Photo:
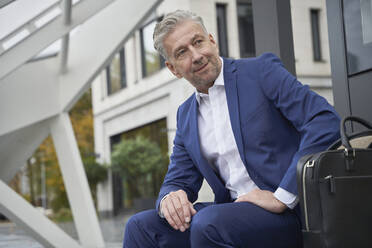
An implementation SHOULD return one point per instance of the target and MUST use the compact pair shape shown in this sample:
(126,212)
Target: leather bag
(335,191)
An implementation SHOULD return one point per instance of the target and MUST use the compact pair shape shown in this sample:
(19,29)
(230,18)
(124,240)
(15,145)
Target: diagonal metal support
(41,38)
(3,3)
(16,147)
(29,95)
(25,215)
(76,182)
(67,5)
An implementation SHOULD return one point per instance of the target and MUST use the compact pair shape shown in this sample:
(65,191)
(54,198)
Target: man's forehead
(187,39)
(183,33)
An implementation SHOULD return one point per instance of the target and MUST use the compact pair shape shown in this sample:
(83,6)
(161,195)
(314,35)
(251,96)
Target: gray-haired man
(243,131)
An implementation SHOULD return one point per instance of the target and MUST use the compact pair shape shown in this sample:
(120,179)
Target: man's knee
(139,229)
(142,220)
(205,226)
(214,225)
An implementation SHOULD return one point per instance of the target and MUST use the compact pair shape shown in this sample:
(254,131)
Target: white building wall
(207,9)
(316,74)
(145,100)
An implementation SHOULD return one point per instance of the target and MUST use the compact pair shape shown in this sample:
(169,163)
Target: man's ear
(172,69)
(211,39)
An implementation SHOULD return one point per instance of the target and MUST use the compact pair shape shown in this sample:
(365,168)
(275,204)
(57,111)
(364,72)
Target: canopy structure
(50,52)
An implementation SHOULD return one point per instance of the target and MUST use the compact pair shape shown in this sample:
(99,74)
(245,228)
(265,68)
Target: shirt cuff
(289,199)
(160,213)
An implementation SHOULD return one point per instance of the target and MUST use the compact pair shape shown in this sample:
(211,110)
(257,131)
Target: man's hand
(264,199)
(177,210)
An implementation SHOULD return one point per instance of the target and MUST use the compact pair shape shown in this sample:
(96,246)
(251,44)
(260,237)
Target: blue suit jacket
(275,120)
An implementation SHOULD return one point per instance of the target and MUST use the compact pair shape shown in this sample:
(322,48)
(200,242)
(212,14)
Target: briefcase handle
(344,136)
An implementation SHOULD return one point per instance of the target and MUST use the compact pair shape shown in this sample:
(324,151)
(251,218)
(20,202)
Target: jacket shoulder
(184,108)
(263,59)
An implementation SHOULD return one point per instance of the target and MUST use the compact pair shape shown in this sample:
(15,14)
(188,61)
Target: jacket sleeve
(312,116)
(182,173)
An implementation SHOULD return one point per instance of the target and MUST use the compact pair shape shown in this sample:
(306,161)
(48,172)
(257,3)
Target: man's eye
(198,42)
(180,53)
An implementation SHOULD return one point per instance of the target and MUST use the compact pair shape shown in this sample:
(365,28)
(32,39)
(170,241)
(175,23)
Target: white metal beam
(65,40)
(76,182)
(29,95)
(41,38)
(91,50)
(3,3)
(18,146)
(32,221)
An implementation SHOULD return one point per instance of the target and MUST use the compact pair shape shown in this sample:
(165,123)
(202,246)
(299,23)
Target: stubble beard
(204,83)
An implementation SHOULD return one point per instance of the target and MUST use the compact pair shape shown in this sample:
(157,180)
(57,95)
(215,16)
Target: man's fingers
(185,207)
(178,216)
(175,221)
(192,209)
(173,213)
(169,218)
(177,210)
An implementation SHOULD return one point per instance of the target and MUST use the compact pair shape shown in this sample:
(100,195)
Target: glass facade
(116,73)
(222,30)
(358,26)
(245,27)
(315,32)
(151,60)
(124,193)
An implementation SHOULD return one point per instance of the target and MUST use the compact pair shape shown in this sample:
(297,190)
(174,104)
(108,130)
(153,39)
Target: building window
(124,191)
(246,31)
(222,30)
(317,52)
(116,74)
(151,60)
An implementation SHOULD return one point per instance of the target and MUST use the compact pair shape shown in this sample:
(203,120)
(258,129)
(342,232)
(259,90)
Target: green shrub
(141,164)
(63,215)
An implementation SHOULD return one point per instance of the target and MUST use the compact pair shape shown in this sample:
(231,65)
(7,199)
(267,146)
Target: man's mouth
(201,68)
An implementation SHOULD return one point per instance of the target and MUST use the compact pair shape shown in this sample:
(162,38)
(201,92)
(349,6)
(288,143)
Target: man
(244,130)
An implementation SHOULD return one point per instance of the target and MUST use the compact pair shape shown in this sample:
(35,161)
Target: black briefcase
(335,190)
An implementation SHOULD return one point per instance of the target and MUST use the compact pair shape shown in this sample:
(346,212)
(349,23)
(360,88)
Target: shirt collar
(219,81)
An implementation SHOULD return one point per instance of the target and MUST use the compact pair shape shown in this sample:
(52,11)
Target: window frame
(242,52)
(123,73)
(315,34)
(143,53)
(222,34)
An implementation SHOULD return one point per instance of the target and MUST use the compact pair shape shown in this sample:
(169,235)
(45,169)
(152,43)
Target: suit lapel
(230,78)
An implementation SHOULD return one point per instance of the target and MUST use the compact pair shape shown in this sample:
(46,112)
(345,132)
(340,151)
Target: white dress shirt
(218,144)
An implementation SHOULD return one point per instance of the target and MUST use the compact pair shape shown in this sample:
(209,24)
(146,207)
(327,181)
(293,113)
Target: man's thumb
(193,211)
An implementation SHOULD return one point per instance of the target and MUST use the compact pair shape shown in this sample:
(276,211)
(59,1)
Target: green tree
(139,162)
(96,173)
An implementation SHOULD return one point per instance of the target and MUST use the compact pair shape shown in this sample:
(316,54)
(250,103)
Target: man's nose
(196,56)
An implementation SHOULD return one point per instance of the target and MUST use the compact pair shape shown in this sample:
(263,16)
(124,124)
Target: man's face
(193,55)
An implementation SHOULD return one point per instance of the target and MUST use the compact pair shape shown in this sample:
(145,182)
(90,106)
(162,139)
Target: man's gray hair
(168,24)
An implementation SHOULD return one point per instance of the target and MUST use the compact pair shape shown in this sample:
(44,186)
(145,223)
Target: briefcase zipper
(332,180)
(309,164)
(332,183)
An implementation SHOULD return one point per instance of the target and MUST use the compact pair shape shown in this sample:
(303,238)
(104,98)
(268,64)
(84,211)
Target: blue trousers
(217,225)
